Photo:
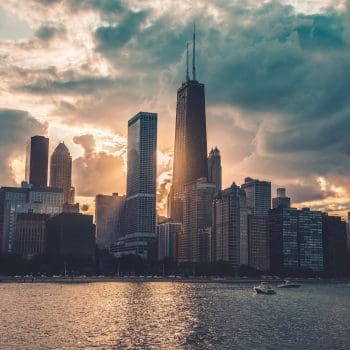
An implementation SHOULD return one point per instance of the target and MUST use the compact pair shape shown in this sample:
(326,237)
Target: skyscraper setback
(37,161)
(190,153)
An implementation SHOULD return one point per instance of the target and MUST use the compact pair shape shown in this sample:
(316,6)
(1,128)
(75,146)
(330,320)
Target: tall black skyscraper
(214,168)
(190,154)
(37,161)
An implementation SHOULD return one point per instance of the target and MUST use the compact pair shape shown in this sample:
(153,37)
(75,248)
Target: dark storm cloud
(116,36)
(75,85)
(47,33)
(17,127)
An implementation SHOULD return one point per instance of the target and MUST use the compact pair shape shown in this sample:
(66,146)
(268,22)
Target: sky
(276,73)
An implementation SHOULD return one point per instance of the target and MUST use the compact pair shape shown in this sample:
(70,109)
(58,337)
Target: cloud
(97,172)
(277,77)
(17,127)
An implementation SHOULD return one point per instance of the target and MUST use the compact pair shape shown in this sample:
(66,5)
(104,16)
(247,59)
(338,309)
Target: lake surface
(171,315)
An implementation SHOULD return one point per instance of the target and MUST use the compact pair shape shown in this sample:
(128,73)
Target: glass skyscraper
(139,226)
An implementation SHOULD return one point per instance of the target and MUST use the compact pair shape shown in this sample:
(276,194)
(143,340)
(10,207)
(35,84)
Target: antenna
(187,74)
(194,52)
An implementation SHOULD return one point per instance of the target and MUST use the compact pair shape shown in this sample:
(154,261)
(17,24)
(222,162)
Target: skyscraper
(140,206)
(283,225)
(230,226)
(61,172)
(195,240)
(214,168)
(258,196)
(37,161)
(310,240)
(190,153)
(281,200)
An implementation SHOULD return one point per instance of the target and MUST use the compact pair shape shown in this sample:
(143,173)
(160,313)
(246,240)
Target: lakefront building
(195,240)
(139,228)
(230,226)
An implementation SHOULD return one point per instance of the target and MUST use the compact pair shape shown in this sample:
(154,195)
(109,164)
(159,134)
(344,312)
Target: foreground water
(157,315)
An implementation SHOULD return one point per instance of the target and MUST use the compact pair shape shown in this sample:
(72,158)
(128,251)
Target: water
(157,315)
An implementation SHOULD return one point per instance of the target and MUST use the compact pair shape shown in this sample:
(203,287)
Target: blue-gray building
(139,227)
(310,240)
(283,225)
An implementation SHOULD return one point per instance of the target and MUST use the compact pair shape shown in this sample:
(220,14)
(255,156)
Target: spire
(194,52)
(187,74)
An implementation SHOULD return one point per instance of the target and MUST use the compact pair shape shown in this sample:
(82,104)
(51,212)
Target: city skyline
(78,91)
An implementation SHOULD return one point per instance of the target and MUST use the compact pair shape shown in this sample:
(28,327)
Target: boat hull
(262,291)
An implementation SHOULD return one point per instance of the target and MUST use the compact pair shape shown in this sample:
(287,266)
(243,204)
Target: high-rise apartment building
(258,196)
(283,226)
(139,229)
(197,219)
(108,211)
(230,226)
(310,240)
(214,168)
(258,243)
(296,241)
(281,200)
(37,161)
(61,172)
(190,152)
(334,245)
(167,236)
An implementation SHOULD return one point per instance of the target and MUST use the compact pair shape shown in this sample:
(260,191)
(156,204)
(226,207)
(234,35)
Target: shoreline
(79,280)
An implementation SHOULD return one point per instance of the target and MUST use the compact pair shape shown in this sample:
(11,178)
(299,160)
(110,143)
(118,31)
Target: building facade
(230,226)
(139,230)
(30,234)
(71,235)
(258,196)
(310,240)
(334,245)
(13,200)
(283,227)
(258,243)
(108,211)
(167,240)
(37,161)
(61,172)
(197,221)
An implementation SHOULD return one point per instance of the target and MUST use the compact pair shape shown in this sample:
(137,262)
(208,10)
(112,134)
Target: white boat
(289,284)
(264,288)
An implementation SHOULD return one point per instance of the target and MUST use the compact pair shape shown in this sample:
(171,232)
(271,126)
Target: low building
(30,234)
(71,234)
